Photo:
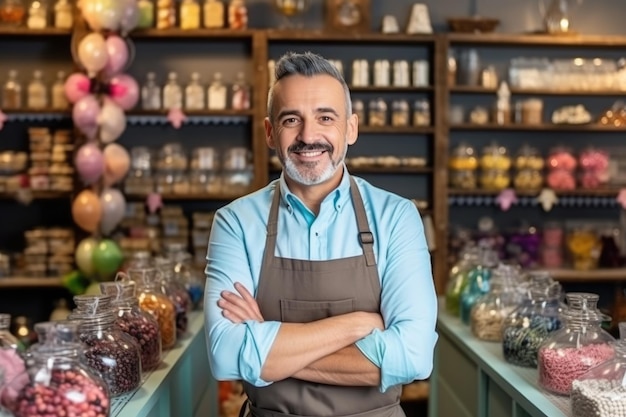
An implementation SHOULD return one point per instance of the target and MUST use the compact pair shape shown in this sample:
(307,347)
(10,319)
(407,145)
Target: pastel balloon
(117,53)
(107,259)
(92,53)
(85,115)
(130,16)
(76,86)
(116,163)
(113,209)
(103,14)
(89,162)
(87,211)
(124,91)
(84,256)
(112,121)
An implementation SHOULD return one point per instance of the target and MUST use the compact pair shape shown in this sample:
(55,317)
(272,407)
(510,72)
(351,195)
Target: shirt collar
(339,197)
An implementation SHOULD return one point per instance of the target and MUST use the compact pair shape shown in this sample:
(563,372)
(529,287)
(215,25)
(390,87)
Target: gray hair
(307,64)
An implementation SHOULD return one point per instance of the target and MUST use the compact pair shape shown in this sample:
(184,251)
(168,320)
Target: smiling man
(319,286)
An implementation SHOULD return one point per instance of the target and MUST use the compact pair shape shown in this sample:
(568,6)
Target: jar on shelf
(176,292)
(377,112)
(37,14)
(57,380)
(134,321)
(140,179)
(594,168)
(237,171)
(532,111)
(204,172)
(528,169)
(463,166)
(146,14)
(490,311)
(458,279)
(152,300)
(477,282)
(584,246)
(12,12)
(495,164)
(109,351)
(358,108)
(561,165)
(530,324)
(400,114)
(421,113)
(577,347)
(63,14)
(171,175)
(601,391)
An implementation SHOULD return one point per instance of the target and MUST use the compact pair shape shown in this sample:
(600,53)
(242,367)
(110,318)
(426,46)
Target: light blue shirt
(403,351)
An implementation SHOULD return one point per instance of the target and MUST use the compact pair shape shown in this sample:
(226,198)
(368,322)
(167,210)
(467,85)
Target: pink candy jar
(561,169)
(594,168)
(56,382)
(577,347)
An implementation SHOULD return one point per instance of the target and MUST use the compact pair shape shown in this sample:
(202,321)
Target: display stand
(181,386)
(472,378)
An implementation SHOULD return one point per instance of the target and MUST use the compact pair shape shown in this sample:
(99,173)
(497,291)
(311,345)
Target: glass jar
(358,108)
(577,347)
(490,311)
(458,279)
(12,12)
(11,361)
(421,113)
(108,350)
(477,282)
(204,171)
(176,292)
(37,14)
(134,321)
(152,300)
(7,340)
(377,112)
(601,391)
(529,165)
(192,278)
(400,114)
(561,165)
(146,14)
(495,164)
(463,165)
(528,326)
(584,246)
(68,388)
(236,170)
(140,180)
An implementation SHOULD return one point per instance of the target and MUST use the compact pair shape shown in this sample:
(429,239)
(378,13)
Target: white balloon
(113,209)
(111,120)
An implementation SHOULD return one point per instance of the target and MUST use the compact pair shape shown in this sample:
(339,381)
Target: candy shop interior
(125,124)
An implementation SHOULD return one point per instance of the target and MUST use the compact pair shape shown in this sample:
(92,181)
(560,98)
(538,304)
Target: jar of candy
(495,164)
(140,179)
(152,300)
(7,340)
(601,391)
(68,388)
(400,113)
(377,112)
(11,362)
(529,169)
(109,351)
(488,314)
(458,279)
(579,346)
(561,166)
(594,168)
(477,282)
(463,164)
(584,247)
(185,272)
(12,12)
(134,321)
(528,326)
(176,292)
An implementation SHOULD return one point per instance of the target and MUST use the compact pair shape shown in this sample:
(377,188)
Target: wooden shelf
(573,275)
(28,282)
(193,33)
(425,130)
(600,192)
(541,128)
(23,31)
(535,40)
(331,37)
(389,170)
(391,89)
(193,113)
(187,197)
(465,89)
(39,195)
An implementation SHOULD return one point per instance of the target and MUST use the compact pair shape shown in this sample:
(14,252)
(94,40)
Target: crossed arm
(321,351)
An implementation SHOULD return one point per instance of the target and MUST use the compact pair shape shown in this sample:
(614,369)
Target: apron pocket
(294,311)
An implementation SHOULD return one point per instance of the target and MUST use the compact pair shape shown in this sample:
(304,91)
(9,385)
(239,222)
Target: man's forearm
(347,367)
(298,345)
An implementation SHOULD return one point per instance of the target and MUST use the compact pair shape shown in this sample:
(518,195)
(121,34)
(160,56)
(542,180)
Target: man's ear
(269,138)
(352,131)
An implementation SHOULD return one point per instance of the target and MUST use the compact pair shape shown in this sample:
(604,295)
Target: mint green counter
(181,387)
(471,379)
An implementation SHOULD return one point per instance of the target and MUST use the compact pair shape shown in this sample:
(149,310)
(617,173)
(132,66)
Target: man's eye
(290,121)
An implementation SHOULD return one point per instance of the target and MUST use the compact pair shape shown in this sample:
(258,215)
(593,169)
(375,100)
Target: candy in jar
(237,14)
(594,167)
(583,244)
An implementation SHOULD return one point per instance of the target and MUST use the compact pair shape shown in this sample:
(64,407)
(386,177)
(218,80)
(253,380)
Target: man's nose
(308,132)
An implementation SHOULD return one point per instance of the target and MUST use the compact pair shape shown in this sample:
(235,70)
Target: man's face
(311,130)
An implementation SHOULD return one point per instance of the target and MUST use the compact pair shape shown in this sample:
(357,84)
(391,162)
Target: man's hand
(239,307)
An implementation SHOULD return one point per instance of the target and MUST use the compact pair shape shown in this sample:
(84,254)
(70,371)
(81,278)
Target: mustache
(310,147)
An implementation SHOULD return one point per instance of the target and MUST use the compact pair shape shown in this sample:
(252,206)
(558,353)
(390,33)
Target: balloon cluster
(100,94)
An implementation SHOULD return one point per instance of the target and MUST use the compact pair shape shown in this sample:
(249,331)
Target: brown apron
(301,291)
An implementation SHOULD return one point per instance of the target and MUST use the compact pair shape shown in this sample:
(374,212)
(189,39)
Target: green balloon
(107,259)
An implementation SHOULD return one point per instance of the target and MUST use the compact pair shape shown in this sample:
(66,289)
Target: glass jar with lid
(236,170)
(12,12)
(463,166)
(154,301)
(134,321)
(11,361)
(171,175)
(421,113)
(140,178)
(477,282)
(490,311)
(358,108)
(109,351)
(495,164)
(205,171)
(185,272)
(458,279)
(400,113)
(528,326)
(528,164)
(377,112)
(68,388)
(577,347)
(37,14)
(176,292)
(601,391)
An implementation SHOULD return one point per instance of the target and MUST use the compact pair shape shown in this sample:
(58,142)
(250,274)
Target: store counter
(182,386)
(471,379)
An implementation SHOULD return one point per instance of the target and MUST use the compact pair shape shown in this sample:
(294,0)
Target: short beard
(305,177)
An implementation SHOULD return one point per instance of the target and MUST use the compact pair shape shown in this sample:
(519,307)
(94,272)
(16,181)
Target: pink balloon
(130,17)
(76,87)
(85,115)
(89,163)
(116,163)
(124,91)
(112,121)
(117,51)
(92,53)
(113,209)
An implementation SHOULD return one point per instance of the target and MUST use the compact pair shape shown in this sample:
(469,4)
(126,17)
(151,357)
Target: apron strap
(272,227)
(365,234)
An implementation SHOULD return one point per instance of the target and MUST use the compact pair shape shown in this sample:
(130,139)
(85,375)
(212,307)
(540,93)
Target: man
(319,288)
